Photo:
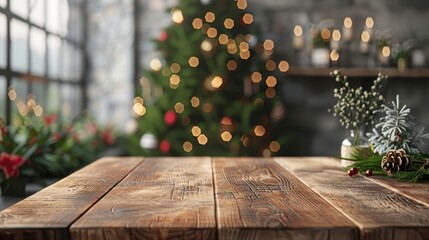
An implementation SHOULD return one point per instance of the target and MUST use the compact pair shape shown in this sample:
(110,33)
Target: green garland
(419,169)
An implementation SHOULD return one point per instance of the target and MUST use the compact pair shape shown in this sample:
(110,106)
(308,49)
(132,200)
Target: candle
(369,24)
(364,44)
(347,29)
(384,55)
(335,41)
(298,40)
(334,56)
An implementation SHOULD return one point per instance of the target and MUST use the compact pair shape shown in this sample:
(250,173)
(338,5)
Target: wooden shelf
(358,72)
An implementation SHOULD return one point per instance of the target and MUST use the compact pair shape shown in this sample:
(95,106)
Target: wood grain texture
(258,199)
(48,213)
(380,212)
(164,198)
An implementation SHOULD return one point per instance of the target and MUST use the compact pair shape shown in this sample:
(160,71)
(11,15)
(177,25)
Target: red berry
(368,173)
(350,173)
(355,170)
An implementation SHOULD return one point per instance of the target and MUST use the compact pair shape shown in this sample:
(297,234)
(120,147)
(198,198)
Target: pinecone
(395,161)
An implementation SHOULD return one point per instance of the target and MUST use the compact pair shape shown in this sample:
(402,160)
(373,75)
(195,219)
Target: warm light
(187,146)
(177,16)
(196,131)
(241,4)
(266,153)
(212,32)
(226,136)
(231,47)
(138,100)
(210,17)
(206,46)
(248,18)
(175,68)
(268,45)
(223,38)
(297,30)
(244,46)
(283,66)
(348,22)
(245,55)
(197,23)
(193,61)
(231,65)
(365,36)
(334,55)
(259,130)
(174,79)
(256,77)
(202,139)
(38,110)
(271,81)
(226,121)
(336,35)
(179,107)
(258,102)
(139,109)
(155,64)
(270,92)
(228,23)
(12,94)
(245,140)
(31,103)
(195,102)
(369,22)
(326,34)
(274,146)
(385,51)
(270,65)
(217,82)
(207,107)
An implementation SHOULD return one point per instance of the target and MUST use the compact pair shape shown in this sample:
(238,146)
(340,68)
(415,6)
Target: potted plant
(320,52)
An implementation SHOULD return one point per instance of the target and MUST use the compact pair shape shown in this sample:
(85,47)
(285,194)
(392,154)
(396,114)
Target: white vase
(348,150)
(320,57)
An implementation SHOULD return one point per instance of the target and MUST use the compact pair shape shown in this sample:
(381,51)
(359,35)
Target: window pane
(21,88)
(2,41)
(19,7)
(38,51)
(67,58)
(54,45)
(39,91)
(64,17)
(71,100)
(53,105)
(3,89)
(37,12)
(19,36)
(52,23)
(75,22)
(2,3)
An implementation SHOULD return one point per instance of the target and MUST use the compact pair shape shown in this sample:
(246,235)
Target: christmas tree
(216,93)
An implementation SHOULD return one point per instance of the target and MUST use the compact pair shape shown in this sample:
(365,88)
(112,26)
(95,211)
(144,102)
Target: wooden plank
(164,198)
(380,212)
(258,199)
(48,213)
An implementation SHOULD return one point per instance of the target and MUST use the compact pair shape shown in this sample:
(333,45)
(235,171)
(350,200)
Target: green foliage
(396,130)
(244,110)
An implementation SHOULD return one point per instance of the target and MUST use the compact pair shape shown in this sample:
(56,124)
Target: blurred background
(73,55)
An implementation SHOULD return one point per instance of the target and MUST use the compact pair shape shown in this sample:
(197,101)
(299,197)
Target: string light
(217,82)
(138,100)
(197,23)
(174,79)
(271,81)
(270,65)
(187,146)
(193,61)
(259,102)
(242,4)
(336,35)
(202,139)
(245,140)
(212,32)
(228,23)
(268,45)
(195,102)
(231,46)
(245,55)
(283,66)
(223,38)
(326,34)
(179,107)
(365,36)
(248,18)
(175,68)
(334,55)
(155,64)
(385,51)
(38,110)
(206,45)
(231,65)
(369,22)
(12,94)
(259,131)
(177,16)
(210,17)
(274,146)
(297,31)
(244,46)
(196,131)
(207,107)
(270,92)
(348,23)
(139,109)
(226,136)
(256,77)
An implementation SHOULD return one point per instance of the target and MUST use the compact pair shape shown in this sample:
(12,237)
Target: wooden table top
(220,198)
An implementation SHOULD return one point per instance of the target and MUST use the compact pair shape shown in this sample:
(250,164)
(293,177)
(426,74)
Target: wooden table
(220,198)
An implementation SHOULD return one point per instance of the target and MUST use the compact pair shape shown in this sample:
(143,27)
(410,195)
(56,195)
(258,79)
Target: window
(46,47)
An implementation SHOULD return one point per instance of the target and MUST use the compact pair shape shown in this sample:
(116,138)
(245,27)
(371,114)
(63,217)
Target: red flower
(108,138)
(49,120)
(33,140)
(163,36)
(164,146)
(10,164)
(170,117)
